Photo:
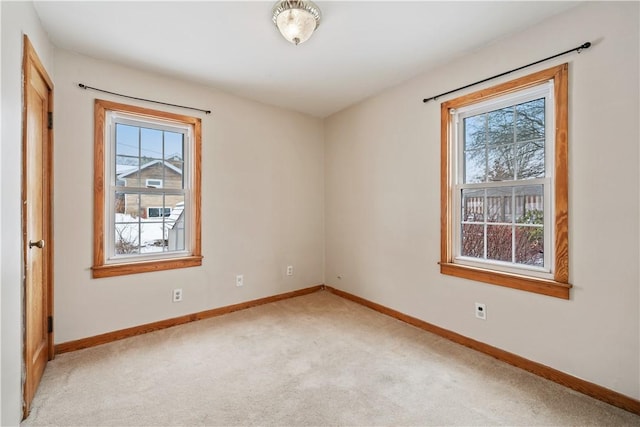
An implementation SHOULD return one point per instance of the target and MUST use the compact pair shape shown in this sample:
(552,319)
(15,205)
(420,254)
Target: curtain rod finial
(587,45)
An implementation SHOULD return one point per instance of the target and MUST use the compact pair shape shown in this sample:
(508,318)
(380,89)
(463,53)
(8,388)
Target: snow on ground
(153,231)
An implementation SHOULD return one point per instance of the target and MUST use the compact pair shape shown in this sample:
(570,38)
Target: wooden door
(36,218)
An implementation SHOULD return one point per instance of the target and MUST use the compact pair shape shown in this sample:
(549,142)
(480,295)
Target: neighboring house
(153,174)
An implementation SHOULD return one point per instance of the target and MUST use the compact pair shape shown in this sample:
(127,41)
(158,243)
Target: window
(154,183)
(147,190)
(158,212)
(504,184)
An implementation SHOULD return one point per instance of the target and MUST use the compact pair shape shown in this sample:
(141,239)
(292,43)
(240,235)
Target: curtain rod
(83,86)
(578,49)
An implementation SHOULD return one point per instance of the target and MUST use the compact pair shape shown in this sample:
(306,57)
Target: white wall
(262,203)
(382,203)
(18,18)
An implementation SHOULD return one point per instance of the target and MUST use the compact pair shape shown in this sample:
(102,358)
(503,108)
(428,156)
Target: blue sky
(134,140)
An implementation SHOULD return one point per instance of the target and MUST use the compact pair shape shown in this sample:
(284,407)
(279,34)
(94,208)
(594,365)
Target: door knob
(38,244)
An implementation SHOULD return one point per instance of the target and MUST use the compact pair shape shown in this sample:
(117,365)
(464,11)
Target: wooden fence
(500,208)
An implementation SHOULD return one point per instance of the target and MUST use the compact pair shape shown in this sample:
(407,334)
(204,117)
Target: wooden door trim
(31,59)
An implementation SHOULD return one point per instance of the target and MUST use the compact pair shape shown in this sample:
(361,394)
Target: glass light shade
(296,25)
(296,19)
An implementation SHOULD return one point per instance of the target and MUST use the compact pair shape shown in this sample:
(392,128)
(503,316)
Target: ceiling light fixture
(296,19)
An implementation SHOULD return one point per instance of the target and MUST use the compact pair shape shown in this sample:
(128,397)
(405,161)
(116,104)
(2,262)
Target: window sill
(530,284)
(99,271)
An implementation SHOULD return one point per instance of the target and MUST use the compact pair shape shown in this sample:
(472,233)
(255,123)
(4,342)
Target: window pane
(499,242)
(120,204)
(530,122)
(174,202)
(173,176)
(129,178)
(529,201)
(126,173)
(127,238)
(473,205)
(174,153)
(175,224)
(530,246)
(178,180)
(500,162)
(499,204)
(151,144)
(129,204)
(475,132)
(127,155)
(475,165)
(530,159)
(472,240)
(530,132)
(173,146)
(475,161)
(127,140)
(500,125)
(152,235)
(127,227)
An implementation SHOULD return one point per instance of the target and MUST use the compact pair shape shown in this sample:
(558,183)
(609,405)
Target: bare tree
(126,239)
(506,144)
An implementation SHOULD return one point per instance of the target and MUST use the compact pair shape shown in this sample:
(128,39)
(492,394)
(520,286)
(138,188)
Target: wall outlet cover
(481,311)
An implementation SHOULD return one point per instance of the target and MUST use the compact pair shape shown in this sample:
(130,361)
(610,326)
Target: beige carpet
(312,360)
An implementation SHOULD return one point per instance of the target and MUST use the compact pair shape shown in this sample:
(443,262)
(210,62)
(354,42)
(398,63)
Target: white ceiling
(360,48)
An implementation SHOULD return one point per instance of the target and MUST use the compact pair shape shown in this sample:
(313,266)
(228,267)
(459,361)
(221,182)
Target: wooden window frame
(559,285)
(100,267)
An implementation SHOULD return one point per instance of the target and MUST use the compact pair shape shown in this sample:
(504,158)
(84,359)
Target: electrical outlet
(290,270)
(177,295)
(239,280)
(481,311)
